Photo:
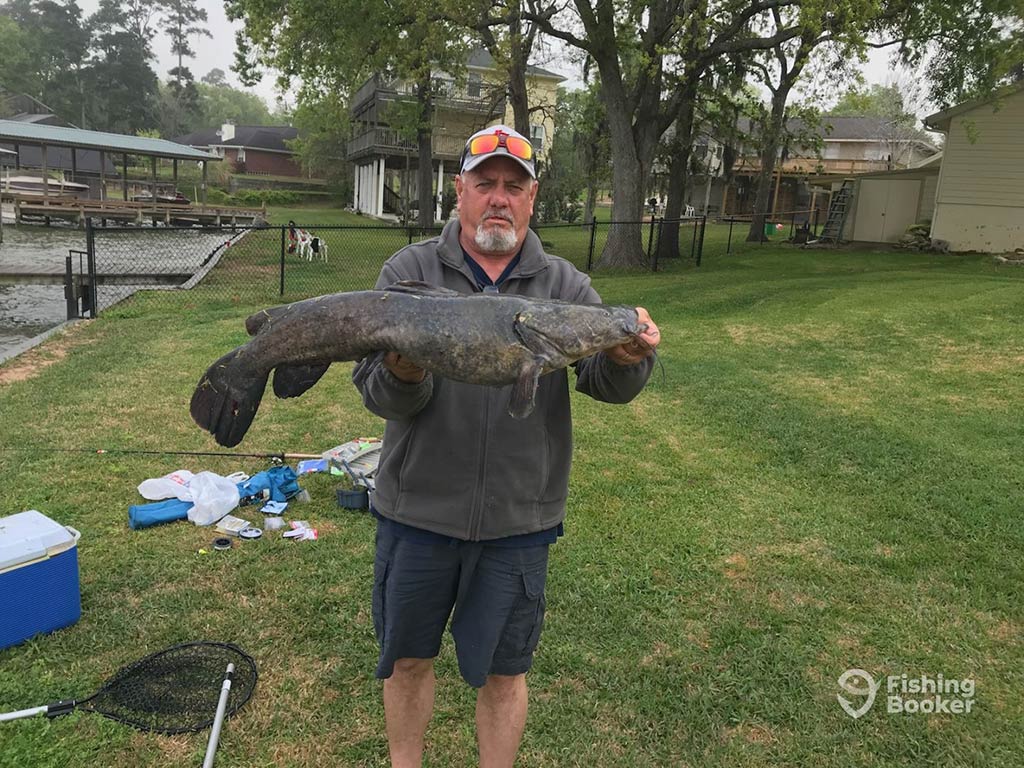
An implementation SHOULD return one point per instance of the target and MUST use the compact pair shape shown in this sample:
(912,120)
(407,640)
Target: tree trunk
(773,138)
(624,247)
(519,53)
(424,141)
(679,177)
(591,204)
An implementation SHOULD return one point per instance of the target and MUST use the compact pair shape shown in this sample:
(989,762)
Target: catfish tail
(227,398)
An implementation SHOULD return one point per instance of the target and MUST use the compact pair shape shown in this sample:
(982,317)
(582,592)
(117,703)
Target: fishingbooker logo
(924,694)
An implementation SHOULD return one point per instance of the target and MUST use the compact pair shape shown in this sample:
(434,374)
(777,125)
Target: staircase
(392,201)
(838,210)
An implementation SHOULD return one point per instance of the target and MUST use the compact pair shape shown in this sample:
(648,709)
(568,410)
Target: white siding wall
(980,199)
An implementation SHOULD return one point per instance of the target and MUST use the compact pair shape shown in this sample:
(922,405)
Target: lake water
(28,310)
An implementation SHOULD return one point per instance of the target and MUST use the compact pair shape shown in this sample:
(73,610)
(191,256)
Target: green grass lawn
(826,474)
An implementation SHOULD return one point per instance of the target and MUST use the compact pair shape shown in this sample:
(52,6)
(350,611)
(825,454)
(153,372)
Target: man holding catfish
(469,497)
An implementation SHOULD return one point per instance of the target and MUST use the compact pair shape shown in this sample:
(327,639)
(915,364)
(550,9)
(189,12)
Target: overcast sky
(219,51)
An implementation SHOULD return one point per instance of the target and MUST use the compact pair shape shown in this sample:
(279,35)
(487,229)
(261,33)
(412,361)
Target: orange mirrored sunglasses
(483,145)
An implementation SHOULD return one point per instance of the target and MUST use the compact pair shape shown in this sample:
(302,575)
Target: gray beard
(495,240)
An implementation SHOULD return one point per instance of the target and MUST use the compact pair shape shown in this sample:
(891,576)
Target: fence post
(282,261)
(650,239)
(728,247)
(410,234)
(792,224)
(693,240)
(70,300)
(593,235)
(90,251)
(815,223)
(655,248)
(700,243)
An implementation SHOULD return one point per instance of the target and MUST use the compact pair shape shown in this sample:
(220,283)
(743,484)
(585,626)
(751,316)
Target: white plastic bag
(214,497)
(175,485)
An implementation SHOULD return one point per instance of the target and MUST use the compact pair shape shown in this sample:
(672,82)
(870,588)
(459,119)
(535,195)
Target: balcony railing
(476,98)
(814,166)
(377,141)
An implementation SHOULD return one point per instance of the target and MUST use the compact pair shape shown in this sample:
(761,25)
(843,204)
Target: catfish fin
(524,391)
(258,321)
(226,399)
(419,288)
(293,380)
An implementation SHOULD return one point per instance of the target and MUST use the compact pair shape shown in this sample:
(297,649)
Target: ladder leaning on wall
(838,210)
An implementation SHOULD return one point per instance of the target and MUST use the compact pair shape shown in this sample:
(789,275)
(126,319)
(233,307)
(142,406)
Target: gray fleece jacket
(454,461)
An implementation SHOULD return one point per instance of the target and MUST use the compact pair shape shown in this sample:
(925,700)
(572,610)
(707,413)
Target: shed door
(901,208)
(885,208)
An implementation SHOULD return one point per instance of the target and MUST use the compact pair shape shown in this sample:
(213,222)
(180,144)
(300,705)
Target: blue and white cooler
(39,589)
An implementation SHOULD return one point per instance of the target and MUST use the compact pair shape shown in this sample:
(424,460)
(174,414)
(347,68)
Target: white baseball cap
(498,140)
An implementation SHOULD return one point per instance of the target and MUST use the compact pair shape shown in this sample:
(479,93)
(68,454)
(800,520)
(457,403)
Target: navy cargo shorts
(497,594)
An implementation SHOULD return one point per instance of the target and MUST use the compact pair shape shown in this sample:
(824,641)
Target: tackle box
(39,589)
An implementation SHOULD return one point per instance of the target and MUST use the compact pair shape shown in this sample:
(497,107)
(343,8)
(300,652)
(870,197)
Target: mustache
(497,213)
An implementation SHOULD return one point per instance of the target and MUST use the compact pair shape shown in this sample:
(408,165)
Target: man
(468,499)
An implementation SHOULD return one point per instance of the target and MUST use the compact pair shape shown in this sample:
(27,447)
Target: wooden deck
(78,209)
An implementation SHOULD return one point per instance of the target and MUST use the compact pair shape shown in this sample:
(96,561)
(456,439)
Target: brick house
(253,149)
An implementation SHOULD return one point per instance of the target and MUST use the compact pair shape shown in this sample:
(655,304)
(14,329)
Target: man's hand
(403,369)
(636,350)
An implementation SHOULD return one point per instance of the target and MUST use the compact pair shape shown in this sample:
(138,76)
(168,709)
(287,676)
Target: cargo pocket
(535,605)
(381,567)
(523,629)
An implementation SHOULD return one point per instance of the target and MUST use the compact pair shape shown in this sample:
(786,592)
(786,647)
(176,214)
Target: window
(537,137)
(241,155)
(473,88)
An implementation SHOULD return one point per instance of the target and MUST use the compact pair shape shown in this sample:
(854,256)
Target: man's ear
(533,195)
(459,186)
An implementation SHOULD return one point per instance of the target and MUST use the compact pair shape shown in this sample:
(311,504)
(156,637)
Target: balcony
(386,141)
(810,166)
(475,98)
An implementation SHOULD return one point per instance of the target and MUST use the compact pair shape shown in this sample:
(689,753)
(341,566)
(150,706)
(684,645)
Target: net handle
(218,720)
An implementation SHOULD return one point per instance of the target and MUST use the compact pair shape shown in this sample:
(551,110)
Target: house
(979,204)
(385,163)
(253,149)
(849,146)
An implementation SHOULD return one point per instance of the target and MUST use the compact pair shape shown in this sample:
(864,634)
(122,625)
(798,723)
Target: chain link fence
(251,267)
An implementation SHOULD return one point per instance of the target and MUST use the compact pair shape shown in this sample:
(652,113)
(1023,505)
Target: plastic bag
(214,496)
(172,486)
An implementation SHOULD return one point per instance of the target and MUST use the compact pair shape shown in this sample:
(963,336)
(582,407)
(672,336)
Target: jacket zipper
(480,501)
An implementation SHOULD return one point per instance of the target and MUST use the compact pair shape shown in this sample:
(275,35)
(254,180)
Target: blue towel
(169,510)
(281,482)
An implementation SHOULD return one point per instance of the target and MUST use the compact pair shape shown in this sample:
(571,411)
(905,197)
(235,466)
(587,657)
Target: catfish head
(562,333)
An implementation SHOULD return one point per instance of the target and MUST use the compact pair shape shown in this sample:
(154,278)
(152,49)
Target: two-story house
(849,146)
(385,163)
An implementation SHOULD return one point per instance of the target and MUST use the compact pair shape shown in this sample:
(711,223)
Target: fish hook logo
(859,683)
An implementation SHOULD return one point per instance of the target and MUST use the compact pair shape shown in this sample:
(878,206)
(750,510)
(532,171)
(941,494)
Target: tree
(220,103)
(334,45)
(963,49)
(215,77)
(18,72)
(651,57)
(123,84)
(182,20)
(48,60)
(580,121)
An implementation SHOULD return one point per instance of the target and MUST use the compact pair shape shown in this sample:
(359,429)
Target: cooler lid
(29,536)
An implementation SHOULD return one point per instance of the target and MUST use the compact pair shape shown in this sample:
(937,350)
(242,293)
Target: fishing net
(176,690)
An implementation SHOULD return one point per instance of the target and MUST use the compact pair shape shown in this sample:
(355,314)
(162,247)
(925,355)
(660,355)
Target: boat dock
(77,210)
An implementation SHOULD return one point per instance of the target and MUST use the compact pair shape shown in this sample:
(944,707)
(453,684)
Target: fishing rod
(140,452)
